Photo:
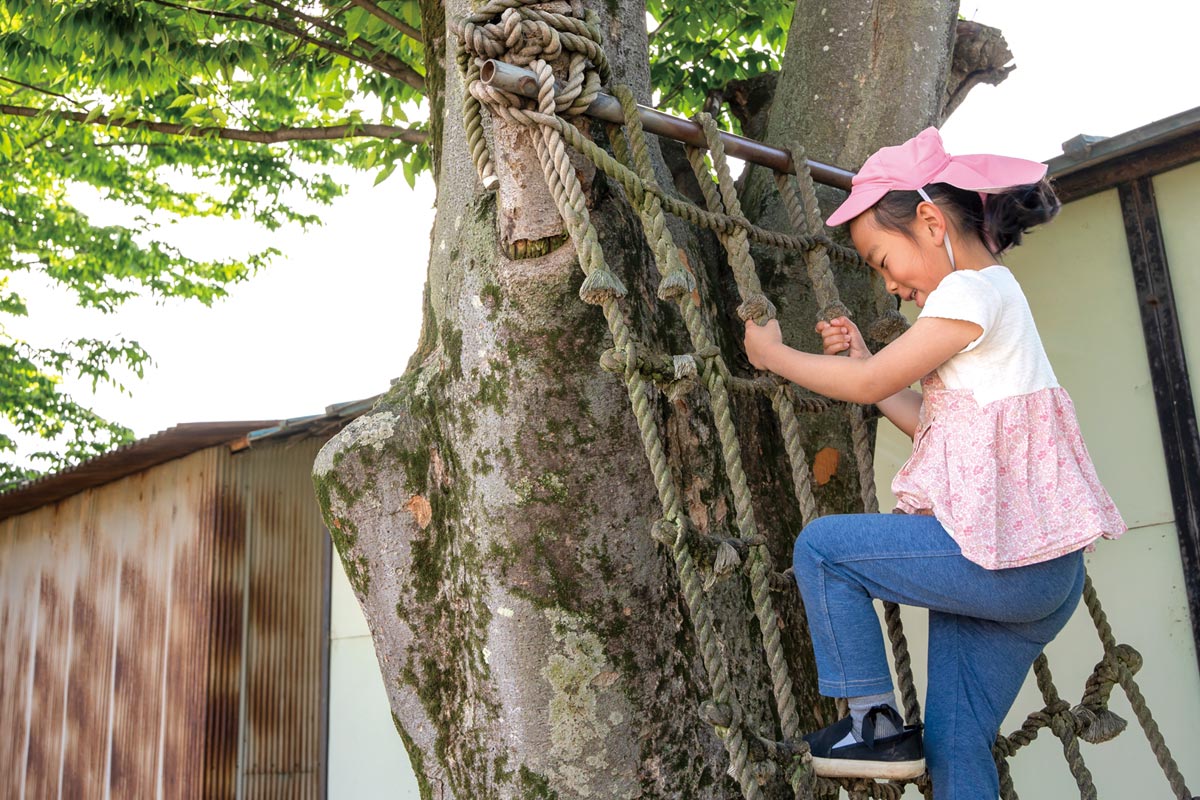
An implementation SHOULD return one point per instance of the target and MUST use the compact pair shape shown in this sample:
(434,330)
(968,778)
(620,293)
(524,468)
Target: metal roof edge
(339,413)
(1086,152)
(174,442)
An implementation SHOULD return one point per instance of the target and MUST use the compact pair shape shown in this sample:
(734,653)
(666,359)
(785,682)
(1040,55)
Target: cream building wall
(1076,274)
(367,759)
(1178,194)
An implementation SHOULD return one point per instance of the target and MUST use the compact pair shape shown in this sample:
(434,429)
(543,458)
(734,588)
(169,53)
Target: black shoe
(896,757)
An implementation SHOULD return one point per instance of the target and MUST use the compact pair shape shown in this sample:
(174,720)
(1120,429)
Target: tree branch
(323,24)
(658,28)
(325,133)
(384,62)
(395,22)
(40,90)
(980,56)
(390,60)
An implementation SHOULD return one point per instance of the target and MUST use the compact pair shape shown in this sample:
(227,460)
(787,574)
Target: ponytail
(1008,215)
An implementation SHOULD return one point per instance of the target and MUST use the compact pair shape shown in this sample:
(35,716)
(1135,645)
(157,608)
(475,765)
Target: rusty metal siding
(181,727)
(99,603)
(165,635)
(283,741)
(225,515)
(51,660)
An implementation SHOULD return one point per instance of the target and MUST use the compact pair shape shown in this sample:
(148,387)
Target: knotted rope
(534,35)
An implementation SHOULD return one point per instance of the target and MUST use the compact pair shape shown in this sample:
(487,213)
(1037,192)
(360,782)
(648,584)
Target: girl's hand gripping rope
(761,340)
(841,336)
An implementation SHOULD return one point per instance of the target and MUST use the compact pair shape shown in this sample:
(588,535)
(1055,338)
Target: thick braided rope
(831,306)
(755,303)
(789,426)
(717,222)
(568,195)
(473,121)
(1062,724)
(805,215)
(1007,790)
(1158,745)
(667,257)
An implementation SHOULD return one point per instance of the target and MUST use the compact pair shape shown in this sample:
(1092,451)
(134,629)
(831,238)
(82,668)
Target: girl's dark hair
(999,223)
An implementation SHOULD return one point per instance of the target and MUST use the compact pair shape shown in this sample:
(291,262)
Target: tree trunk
(494,511)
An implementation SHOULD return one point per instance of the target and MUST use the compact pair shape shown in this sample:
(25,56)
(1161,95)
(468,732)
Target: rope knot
(686,373)
(666,532)
(1097,725)
(1002,747)
(600,286)
(1129,657)
(685,367)
(834,310)
(675,284)
(1062,723)
(719,715)
(612,361)
(756,307)
(527,33)
(888,326)
(727,561)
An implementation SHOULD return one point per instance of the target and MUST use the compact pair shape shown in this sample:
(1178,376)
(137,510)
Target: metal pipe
(521,81)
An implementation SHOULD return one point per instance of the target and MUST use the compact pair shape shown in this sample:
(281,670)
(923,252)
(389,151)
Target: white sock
(859,706)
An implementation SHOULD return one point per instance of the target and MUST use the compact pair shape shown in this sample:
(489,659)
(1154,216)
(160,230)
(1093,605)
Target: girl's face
(911,268)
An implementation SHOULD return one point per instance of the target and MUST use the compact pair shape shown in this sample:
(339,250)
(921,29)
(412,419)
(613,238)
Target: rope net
(568,35)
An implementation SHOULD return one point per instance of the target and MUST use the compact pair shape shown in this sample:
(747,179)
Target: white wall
(1077,277)
(367,759)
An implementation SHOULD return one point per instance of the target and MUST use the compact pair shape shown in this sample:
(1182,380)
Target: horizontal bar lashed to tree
(521,81)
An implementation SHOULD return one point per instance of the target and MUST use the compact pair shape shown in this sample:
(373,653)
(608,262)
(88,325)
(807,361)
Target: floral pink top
(1011,482)
(997,456)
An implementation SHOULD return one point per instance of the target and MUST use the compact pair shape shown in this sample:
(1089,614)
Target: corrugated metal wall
(165,635)
(286,616)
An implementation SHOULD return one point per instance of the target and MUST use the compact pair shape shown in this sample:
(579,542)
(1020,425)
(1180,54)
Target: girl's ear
(930,221)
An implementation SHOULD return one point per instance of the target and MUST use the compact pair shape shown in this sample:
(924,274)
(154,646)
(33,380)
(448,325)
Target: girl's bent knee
(808,547)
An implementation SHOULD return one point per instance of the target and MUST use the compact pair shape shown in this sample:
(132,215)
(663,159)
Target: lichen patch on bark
(578,675)
(372,430)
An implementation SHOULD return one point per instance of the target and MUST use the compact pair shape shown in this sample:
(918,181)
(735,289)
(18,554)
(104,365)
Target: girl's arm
(919,350)
(903,409)
(840,336)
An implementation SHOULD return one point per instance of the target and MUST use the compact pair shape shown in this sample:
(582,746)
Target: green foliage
(136,100)
(696,47)
(232,109)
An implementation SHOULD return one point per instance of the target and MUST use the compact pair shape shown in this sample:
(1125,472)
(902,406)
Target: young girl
(999,498)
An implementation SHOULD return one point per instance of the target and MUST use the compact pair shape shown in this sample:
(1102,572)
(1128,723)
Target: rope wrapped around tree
(567,33)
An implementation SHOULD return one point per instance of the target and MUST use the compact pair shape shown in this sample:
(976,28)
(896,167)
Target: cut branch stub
(980,56)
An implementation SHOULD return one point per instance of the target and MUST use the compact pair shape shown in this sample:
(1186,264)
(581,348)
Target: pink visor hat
(923,160)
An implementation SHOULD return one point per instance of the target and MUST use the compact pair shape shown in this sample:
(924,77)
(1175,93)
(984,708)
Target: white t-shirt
(1008,358)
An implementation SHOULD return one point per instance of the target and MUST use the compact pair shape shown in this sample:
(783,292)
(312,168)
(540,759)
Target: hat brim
(861,198)
(989,174)
(980,173)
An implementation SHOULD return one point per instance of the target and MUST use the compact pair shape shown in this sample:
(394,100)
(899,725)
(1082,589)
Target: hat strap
(949,249)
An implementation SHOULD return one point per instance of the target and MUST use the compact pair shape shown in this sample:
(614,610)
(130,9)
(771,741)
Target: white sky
(337,317)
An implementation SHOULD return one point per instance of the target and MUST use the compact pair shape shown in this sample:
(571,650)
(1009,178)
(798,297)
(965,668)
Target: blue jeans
(986,627)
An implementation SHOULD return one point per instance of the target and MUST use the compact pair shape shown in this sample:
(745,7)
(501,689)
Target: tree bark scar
(523,249)
(526,210)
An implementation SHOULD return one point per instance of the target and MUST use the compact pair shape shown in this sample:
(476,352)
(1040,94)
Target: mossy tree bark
(493,511)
